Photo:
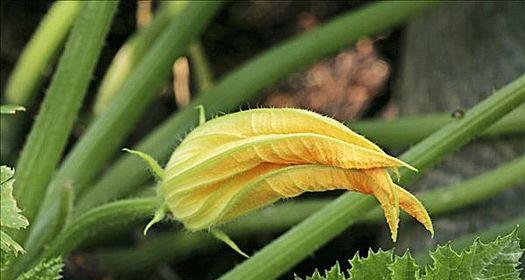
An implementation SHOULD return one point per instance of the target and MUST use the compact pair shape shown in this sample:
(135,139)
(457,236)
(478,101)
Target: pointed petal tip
(430,228)
(394,236)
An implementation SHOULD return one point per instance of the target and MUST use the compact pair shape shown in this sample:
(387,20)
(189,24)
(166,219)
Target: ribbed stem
(406,131)
(54,122)
(58,111)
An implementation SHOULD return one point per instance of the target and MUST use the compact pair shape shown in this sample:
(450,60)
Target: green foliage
(496,260)
(404,268)
(10,214)
(45,270)
(375,266)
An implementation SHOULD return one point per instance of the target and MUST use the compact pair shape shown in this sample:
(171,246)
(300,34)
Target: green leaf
(10,216)
(375,266)
(45,270)
(333,274)
(404,268)
(9,246)
(496,260)
(11,109)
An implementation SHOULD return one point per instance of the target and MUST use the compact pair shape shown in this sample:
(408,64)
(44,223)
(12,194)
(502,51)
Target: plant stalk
(404,132)
(59,110)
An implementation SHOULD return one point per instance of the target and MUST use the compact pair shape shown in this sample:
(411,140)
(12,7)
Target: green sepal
(219,234)
(153,165)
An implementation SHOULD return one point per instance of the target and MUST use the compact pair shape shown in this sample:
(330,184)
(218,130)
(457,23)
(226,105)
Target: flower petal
(290,149)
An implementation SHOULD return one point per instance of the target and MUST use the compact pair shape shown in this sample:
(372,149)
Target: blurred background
(441,62)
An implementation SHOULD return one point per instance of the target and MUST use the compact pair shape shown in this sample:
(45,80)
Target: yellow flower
(240,162)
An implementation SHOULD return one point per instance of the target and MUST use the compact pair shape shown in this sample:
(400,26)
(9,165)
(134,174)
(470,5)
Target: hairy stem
(406,131)
(101,220)
(53,124)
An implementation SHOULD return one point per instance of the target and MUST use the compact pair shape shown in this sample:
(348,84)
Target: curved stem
(99,220)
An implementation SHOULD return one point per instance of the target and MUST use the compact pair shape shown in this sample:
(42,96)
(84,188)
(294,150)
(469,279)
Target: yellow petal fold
(238,163)
(264,121)
(268,183)
(290,149)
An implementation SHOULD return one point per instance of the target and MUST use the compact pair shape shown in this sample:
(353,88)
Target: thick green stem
(99,221)
(52,127)
(105,135)
(176,246)
(39,52)
(303,239)
(245,83)
(406,131)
